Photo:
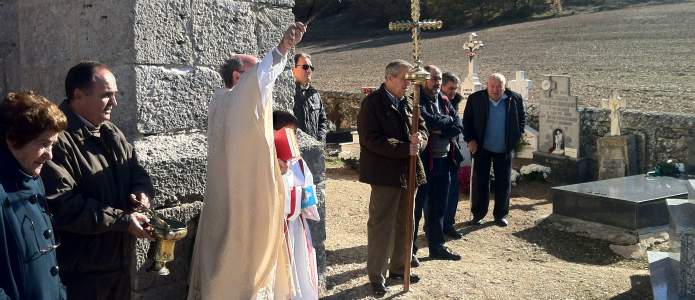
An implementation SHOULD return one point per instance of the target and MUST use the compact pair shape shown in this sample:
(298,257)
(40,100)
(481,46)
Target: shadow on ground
(641,288)
(569,247)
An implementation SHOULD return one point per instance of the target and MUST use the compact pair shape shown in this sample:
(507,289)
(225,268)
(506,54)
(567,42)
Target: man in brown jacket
(385,148)
(93,185)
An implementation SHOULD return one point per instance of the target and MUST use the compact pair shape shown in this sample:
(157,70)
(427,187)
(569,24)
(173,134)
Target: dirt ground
(644,52)
(526,260)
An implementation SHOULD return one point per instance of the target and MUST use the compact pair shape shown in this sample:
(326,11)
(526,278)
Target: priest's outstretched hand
(293,35)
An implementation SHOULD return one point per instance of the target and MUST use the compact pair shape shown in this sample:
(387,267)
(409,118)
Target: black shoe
(378,289)
(399,277)
(476,222)
(444,253)
(501,222)
(414,262)
(452,233)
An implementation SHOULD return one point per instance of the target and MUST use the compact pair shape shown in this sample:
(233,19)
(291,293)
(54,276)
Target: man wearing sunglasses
(308,107)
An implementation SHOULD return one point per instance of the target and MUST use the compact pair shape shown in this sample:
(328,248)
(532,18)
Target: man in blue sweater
(493,122)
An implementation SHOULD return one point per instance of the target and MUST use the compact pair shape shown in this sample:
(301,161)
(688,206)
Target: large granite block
(171,99)
(565,170)
(222,28)
(9,47)
(633,203)
(162,32)
(177,165)
(55,35)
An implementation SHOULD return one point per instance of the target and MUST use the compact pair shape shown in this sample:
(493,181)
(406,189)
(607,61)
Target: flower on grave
(521,143)
(535,172)
(670,167)
(471,53)
(350,159)
(514,177)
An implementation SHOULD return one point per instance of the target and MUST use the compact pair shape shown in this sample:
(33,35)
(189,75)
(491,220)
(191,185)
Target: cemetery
(603,183)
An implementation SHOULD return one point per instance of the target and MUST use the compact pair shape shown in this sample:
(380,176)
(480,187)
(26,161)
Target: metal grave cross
(415,25)
(615,103)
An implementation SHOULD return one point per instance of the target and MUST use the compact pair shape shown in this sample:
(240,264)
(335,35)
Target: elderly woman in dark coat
(29,125)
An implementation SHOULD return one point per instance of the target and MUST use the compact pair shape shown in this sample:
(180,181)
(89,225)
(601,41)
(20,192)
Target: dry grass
(645,52)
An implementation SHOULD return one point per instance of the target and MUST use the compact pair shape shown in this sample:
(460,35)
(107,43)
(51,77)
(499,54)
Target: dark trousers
(502,169)
(453,200)
(432,198)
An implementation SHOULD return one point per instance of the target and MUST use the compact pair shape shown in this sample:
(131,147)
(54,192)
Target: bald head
(232,68)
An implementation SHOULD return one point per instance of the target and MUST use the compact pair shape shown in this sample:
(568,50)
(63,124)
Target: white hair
(499,77)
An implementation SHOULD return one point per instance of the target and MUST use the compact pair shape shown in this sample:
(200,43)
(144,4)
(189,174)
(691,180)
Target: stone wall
(165,56)
(342,108)
(9,44)
(660,136)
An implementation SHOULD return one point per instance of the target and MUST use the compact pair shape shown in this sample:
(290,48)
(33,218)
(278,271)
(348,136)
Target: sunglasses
(306,67)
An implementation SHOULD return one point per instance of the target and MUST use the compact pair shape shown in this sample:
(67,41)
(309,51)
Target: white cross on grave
(471,83)
(615,103)
(521,85)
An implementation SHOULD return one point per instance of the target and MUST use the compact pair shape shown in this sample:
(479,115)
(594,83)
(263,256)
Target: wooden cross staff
(417,75)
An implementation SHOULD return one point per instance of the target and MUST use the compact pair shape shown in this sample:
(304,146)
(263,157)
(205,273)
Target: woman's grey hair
(499,77)
(395,66)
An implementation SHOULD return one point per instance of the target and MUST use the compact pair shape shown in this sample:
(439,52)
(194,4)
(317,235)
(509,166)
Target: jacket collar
(12,169)
(76,126)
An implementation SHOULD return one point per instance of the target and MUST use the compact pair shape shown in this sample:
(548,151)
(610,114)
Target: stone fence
(660,136)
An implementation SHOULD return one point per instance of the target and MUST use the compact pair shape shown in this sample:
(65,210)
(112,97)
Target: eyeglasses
(305,67)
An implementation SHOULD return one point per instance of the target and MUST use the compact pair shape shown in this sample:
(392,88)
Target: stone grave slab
(617,156)
(339,136)
(565,170)
(691,188)
(664,268)
(633,202)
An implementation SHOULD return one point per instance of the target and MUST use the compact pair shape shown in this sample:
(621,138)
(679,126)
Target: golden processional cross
(417,75)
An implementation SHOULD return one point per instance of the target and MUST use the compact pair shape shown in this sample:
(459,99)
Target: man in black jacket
(439,158)
(493,122)
(308,107)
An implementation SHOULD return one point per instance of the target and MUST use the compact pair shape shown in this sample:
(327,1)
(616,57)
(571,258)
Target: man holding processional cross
(392,133)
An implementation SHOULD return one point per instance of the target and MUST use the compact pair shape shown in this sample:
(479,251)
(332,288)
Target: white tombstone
(615,104)
(559,119)
(471,83)
(521,85)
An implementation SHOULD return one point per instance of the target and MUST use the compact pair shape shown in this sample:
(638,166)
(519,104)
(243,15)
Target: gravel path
(645,52)
(521,261)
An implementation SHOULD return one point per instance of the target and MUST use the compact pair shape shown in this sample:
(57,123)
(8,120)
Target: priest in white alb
(240,251)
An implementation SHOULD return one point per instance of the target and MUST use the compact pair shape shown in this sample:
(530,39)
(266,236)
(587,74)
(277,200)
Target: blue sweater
(496,123)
